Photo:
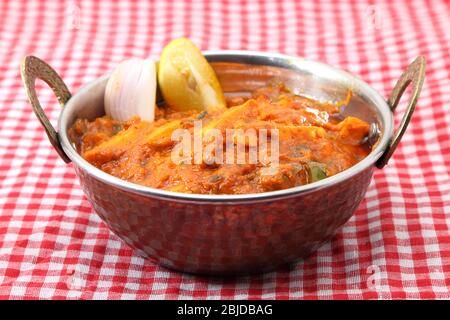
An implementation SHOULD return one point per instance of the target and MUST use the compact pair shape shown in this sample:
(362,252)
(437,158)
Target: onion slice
(131,90)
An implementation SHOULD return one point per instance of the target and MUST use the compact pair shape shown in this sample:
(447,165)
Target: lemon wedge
(186,79)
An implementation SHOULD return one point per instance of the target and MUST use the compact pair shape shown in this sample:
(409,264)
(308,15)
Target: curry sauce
(313,143)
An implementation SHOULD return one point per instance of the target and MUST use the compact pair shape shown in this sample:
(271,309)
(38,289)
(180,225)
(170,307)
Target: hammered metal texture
(33,68)
(225,238)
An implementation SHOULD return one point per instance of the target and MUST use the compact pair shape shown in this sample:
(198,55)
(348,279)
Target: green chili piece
(316,171)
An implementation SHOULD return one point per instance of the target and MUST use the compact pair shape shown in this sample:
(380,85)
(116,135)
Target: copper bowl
(233,234)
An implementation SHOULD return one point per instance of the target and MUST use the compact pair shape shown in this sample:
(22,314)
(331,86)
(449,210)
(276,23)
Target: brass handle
(414,75)
(32,68)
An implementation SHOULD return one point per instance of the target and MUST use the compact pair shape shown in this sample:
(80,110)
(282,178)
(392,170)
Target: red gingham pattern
(53,245)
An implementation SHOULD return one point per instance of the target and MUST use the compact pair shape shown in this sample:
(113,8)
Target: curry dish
(314,143)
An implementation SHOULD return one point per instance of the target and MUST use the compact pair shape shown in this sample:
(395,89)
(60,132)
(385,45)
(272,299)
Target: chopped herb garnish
(202,115)
(215,178)
(116,128)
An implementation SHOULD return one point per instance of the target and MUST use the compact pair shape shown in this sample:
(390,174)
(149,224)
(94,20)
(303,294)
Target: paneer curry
(314,142)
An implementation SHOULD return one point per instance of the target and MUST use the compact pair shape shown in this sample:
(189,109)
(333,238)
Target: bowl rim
(272,59)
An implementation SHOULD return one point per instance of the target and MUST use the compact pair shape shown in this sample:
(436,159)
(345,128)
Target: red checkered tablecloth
(53,245)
